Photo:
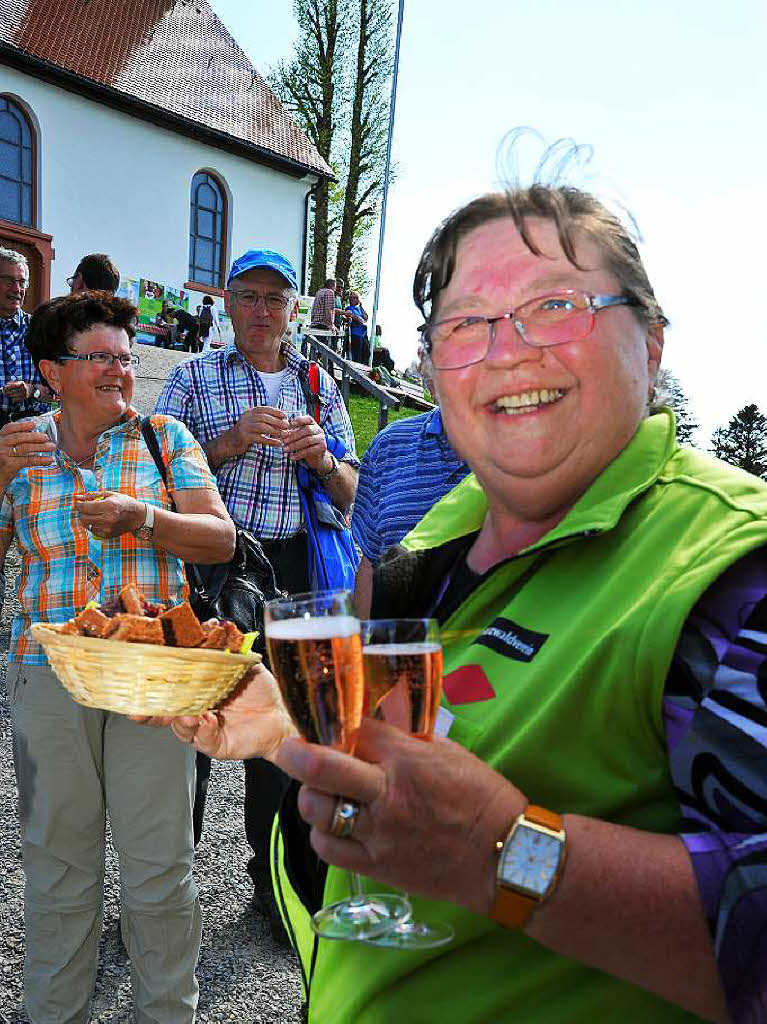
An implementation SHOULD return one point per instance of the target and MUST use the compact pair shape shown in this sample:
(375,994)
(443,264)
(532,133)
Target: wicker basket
(141,679)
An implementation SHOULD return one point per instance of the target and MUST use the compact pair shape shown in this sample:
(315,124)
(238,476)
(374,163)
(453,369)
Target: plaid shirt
(323,308)
(17,364)
(259,488)
(63,566)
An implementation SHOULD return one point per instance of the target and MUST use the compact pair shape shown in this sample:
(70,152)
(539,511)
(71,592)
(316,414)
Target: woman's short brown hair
(54,323)
(574,213)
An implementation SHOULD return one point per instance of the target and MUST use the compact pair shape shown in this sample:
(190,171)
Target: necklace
(87,459)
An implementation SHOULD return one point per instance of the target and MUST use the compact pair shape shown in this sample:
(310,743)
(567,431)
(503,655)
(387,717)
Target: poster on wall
(128,290)
(152,294)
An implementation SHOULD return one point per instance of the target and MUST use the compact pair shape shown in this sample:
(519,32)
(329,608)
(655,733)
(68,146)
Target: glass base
(414,935)
(357,919)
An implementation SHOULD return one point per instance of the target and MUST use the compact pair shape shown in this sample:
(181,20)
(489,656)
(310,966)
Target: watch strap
(540,816)
(147,527)
(512,908)
(333,469)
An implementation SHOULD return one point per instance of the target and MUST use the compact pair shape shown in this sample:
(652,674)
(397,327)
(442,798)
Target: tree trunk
(319,239)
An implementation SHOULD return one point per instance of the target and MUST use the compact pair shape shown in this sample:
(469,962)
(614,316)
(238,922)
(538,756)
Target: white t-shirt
(272,382)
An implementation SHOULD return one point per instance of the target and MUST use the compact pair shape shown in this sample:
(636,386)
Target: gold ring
(345,815)
(13,449)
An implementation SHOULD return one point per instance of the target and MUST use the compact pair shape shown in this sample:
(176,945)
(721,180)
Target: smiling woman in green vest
(593,821)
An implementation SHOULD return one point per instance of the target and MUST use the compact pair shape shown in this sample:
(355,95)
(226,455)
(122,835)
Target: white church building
(139,128)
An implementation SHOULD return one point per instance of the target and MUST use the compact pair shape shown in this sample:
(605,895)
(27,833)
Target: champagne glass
(316,657)
(402,665)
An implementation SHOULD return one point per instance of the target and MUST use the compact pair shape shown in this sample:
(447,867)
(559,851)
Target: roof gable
(175,56)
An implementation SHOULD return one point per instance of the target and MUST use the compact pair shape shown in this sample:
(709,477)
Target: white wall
(112,183)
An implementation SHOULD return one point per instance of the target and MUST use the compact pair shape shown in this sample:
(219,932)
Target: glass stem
(355,884)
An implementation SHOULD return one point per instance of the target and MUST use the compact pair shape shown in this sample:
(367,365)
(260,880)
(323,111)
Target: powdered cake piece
(92,622)
(136,629)
(216,638)
(132,601)
(181,626)
(223,636)
(234,637)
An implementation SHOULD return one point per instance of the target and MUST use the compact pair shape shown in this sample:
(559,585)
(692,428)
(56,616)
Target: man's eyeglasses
(547,320)
(274,302)
(6,279)
(102,359)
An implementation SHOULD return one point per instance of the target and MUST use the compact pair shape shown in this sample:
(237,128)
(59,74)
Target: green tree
(743,442)
(335,85)
(368,129)
(313,85)
(671,393)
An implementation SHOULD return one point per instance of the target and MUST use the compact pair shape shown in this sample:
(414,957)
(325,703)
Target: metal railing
(313,348)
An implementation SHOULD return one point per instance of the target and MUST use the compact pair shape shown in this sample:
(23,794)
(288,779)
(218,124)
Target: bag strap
(150,438)
(314,388)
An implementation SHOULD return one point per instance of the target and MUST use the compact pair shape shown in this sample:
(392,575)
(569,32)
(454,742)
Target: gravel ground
(243,975)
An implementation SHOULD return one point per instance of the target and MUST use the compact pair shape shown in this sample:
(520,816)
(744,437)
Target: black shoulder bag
(235,590)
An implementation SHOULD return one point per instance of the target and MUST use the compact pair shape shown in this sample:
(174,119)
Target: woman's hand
(23,446)
(251,722)
(430,812)
(109,513)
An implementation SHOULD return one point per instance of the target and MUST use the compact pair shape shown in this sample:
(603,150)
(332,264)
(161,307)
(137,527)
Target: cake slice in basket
(136,629)
(181,626)
(92,622)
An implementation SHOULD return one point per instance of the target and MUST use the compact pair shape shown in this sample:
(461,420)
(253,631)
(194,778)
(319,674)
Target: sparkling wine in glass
(402,665)
(316,657)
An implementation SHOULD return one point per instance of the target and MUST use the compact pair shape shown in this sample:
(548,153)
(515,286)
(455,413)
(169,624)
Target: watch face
(530,860)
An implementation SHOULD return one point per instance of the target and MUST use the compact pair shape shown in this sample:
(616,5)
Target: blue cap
(264,258)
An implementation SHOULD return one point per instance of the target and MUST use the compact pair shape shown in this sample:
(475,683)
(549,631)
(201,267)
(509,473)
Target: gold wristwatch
(530,862)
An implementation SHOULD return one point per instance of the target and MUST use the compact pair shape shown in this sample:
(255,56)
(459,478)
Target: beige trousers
(74,765)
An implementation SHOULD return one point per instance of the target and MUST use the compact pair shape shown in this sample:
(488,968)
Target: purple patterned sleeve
(715,712)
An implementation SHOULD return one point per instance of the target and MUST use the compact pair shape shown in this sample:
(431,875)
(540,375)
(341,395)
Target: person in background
(338,303)
(322,314)
(594,826)
(381,355)
(385,509)
(188,328)
(248,406)
(357,318)
(96,271)
(166,318)
(22,391)
(89,517)
(207,316)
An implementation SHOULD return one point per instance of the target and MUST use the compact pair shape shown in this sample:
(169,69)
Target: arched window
(16,164)
(207,231)
(19,228)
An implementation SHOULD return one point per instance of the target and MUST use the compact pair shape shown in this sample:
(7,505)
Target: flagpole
(385,193)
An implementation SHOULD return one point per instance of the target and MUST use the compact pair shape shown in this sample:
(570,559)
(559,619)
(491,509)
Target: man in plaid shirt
(22,391)
(248,404)
(324,306)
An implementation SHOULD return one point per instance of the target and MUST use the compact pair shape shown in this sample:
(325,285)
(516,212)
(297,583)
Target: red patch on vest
(467,684)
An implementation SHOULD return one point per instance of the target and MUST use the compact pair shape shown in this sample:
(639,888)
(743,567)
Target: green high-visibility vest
(574,636)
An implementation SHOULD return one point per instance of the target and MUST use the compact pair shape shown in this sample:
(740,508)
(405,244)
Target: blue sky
(673,102)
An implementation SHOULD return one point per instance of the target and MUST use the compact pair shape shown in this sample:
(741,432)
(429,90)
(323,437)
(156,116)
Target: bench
(153,329)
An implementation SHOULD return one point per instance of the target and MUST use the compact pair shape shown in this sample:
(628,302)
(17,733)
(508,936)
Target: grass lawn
(363,412)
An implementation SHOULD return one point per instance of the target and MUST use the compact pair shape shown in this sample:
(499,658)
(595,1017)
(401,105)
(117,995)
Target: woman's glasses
(547,320)
(102,359)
